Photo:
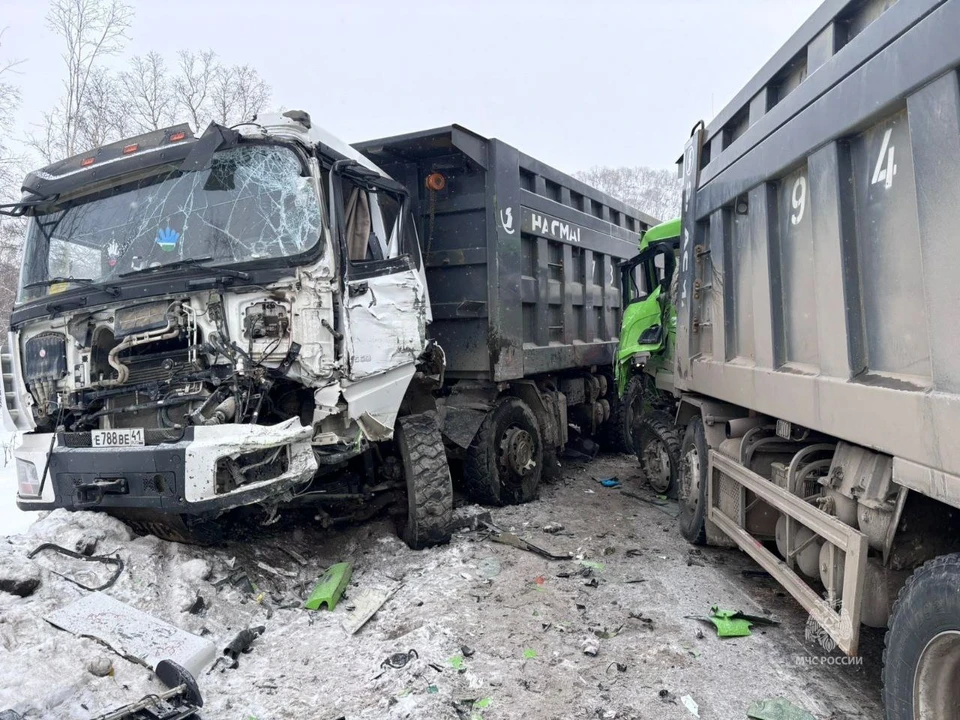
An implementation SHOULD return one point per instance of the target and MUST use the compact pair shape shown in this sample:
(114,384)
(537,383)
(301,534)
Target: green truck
(644,363)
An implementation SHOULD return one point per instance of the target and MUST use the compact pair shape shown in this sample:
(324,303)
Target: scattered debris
(777,709)
(456,662)
(197,606)
(669,507)
(592,583)
(241,644)
(399,660)
(467,651)
(133,634)
(470,517)
(590,646)
(690,704)
(330,587)
(489,567)
(621,667)
(553,528)
(10,715)
(529,653)
(733,623)
(634,552)
(593,565)
(181,701)
(100,666)
(607,634)
(506,538)
(91,558)
(610,482)
(294,554)
(366,605)
(276,571)
(17,577)
(667,696)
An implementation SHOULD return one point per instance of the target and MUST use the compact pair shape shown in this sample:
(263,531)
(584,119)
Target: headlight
(27,479)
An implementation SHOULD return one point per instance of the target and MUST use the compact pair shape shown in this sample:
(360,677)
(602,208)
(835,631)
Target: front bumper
(176,476)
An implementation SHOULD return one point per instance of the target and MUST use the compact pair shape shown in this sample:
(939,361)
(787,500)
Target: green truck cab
(644,362)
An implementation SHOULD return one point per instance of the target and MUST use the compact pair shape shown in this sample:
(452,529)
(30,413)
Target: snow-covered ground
(499,632)
(12,520)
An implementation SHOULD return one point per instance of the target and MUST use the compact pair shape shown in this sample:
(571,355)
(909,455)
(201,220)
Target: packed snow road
(499,632)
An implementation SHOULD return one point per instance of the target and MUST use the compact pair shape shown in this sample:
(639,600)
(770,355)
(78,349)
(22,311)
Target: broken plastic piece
(690,704)
(242,643)
(777,709)
(330,587)
(611,482)
(733,623)
(367,603)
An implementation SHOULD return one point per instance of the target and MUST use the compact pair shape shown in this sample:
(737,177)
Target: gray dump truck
(817,377)
(241,321)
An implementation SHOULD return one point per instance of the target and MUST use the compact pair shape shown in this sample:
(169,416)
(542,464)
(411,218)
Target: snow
(526,619)
(13,521)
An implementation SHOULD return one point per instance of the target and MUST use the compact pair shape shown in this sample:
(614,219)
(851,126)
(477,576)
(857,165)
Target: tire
(429,489)
(692,483)
(658,450)
(617,434)
(508,438)
(922,645)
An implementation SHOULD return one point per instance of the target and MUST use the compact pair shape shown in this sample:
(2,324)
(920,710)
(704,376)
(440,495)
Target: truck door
(385,307)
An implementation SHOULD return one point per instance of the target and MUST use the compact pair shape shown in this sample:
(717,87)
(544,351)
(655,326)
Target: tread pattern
(616,435)
(484,487)
(694,435)
(913,598)
(429,487)
(658,425)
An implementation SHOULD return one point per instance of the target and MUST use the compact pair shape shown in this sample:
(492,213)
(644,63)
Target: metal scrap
(400,659)
(116,561)
(506,538)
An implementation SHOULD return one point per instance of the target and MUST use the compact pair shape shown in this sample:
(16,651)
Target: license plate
(125,437)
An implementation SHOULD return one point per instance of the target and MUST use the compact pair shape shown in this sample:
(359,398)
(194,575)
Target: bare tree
(193,85)
(104,117)
(239,93)
(91,30)
(11,171)
(147,93)
(655,192)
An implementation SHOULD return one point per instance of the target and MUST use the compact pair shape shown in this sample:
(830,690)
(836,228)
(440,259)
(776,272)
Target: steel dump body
(521,259)
(820,257)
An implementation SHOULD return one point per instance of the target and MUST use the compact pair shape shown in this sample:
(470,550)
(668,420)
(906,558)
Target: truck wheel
(429,488)
(692,483)
(658,450)
(618,431)
(505,460)
(921,656)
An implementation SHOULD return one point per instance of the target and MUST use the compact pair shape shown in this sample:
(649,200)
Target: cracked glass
(254,202)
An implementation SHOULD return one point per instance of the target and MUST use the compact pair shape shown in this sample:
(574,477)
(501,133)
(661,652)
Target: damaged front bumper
(202,470)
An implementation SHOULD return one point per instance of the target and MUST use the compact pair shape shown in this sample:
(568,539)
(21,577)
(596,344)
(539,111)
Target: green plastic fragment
(593,565)
(728,624)
(482,703)
(529,653)
(456,662)
(433,689)
(330,587)
(777,709)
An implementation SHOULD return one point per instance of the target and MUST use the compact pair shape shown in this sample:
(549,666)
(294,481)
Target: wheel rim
(517,451)
(656,465)
(689,490)
(936,694)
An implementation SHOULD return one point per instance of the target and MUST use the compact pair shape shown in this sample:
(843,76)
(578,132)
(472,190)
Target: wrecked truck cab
(236,319)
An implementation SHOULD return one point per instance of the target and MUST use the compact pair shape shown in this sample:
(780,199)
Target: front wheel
(692,485)
(921,656)
(617,434)
(658,450)
(505,460)
(429,489)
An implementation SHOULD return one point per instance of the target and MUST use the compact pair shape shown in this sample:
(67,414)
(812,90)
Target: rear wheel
(692,483)
(429,488)
(618,432)
(658,450)
(921,656)
(505,460)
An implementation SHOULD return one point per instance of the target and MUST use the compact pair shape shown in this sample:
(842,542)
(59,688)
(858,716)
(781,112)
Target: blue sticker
(167,239)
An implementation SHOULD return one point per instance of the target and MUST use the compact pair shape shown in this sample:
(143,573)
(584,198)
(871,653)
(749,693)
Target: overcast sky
(571,82)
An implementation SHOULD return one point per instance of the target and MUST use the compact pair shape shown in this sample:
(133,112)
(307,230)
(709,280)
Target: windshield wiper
(188,263)
(58,280)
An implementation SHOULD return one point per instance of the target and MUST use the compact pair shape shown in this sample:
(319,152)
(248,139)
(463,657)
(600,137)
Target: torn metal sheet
(366,604)
(133,634)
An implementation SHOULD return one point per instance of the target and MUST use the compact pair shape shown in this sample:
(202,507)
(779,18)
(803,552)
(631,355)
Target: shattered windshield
(254,202)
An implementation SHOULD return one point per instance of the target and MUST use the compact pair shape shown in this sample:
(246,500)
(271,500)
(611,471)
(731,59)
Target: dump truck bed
(521,258)
(820,253)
